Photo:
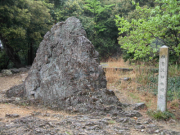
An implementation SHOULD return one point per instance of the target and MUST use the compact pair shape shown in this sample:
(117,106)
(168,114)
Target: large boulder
(66,73)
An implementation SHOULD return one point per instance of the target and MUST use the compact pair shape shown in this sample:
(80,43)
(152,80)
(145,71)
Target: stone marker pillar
(163,78)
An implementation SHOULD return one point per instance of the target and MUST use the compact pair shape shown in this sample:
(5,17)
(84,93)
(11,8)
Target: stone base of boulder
(16,91)
(101,102)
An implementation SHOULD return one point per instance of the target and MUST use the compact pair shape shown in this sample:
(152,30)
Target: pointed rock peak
(66,73)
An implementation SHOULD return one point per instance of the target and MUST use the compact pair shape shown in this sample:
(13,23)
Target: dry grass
(130,89)
(136,90)
(173,104)
(114,75)
(174,70)
(117,63)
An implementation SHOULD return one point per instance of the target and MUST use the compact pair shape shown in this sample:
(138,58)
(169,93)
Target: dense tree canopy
(98,21)
(143,27)
(22,25)
(153,28)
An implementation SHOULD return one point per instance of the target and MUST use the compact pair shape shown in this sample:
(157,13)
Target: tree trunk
(30,54)
(11,54)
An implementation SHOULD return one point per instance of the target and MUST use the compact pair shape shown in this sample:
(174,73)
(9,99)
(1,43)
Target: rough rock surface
(18,70)
(66,63)
(15,91)
(80,125)
(66,73)
(139,106)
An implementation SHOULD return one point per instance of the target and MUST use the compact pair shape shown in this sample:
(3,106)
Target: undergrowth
(158,115)
(151,86)
(143,82)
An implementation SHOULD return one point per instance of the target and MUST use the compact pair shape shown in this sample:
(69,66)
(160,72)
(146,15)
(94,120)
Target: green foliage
(161,23)
(104,32)
(97,20)
(71,8)
(39,21)
(22,26)
(173,88)
(111,122)
(53,10)
(57,3)
(95,9)
(158,115)
(24,22)
(151,85)
(68,133)
(4,60)
(105,46)
(94,6)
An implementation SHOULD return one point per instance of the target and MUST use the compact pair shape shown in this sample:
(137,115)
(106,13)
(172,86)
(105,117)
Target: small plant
(24,104)
(158,115)
(68,133)
(173,88)
(132,95)
(111,122)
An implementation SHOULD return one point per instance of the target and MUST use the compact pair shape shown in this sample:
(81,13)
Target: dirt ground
(6,82)
(23,110)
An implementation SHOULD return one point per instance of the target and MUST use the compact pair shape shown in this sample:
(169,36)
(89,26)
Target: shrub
(158,115)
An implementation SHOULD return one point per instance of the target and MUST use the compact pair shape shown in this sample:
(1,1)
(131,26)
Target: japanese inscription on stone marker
(162,80)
